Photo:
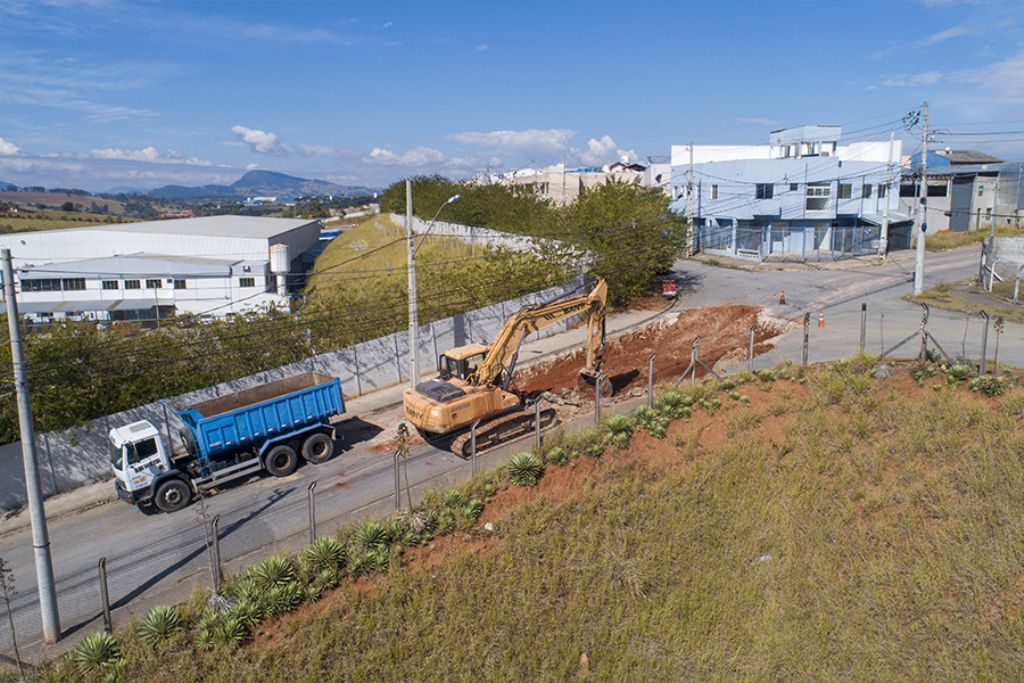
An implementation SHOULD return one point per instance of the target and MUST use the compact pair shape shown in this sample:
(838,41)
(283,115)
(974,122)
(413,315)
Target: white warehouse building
(213,265)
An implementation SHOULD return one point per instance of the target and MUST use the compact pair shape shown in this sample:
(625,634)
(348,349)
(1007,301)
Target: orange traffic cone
(821,318)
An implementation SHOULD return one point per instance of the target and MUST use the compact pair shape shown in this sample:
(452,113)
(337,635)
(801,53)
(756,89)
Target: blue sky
(107,94)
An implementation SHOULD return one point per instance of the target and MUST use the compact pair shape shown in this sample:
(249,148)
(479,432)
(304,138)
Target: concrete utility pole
(923,207)
(883,243)
(995,204)
(414,356)
(33,490)
(691,240)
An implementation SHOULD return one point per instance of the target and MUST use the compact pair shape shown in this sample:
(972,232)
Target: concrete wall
(78,456)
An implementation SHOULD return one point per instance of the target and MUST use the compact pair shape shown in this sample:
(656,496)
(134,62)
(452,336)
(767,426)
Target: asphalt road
(162,558)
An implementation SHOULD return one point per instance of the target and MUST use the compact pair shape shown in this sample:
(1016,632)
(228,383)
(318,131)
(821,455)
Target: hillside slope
(839,528)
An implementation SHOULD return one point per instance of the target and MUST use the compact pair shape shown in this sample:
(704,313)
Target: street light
(430,226)
(414,357)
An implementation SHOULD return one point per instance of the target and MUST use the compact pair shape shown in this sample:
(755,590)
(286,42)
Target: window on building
(153,284)
(73,284)
(981,190)
(793,187)
(110,284)
(883,190)
(714,191)
(867,191)
(179,284)
(132,284)
(41,285)
(818,195)
(246,282)
(937,190)
(844,191)
(908,189)
(764,191)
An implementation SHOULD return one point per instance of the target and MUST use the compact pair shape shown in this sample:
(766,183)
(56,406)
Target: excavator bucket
(590,378)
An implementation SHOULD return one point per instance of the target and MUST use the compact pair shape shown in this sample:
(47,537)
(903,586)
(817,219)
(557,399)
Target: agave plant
(159,624)
(206,630)
(556,456)
(370,535)
(325,552)
(97,652)
(285,597)
(473,509)
(673,404)
(454,499)
(524,469)
(275,570)
(618,430)
(648,419)
(231,630)
(370,560)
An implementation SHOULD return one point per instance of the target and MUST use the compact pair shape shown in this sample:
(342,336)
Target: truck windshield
(141,450)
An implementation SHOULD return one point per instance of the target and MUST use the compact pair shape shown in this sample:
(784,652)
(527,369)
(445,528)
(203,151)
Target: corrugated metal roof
(135,265)
(257,227)
(894,218)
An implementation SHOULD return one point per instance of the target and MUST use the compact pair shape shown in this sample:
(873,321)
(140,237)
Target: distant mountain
(258,183)
(7,187)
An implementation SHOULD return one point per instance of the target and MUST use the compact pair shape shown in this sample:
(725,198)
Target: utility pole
(995,204)
(923,204)
(691,240)
(414,356)
(883,243)
(33,491)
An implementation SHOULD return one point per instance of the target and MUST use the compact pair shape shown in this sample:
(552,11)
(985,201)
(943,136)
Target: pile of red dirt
(724,333)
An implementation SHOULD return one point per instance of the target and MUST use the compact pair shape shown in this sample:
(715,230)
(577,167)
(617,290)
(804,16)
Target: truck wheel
(318,448)
(281,461)
(172,495)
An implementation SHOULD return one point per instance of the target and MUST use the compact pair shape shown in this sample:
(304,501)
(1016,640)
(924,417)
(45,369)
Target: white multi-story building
(214,265)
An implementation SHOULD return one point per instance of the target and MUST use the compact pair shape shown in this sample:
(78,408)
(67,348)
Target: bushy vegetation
(628,229)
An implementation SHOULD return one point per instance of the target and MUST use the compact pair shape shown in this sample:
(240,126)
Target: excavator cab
(461,362)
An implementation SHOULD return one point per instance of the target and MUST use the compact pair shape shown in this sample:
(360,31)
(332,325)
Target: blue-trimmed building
(803,196)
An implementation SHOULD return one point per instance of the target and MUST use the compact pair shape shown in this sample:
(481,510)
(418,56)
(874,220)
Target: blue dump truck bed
(250,417)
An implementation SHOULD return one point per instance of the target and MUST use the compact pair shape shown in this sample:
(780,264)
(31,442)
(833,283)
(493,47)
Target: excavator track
(502,430)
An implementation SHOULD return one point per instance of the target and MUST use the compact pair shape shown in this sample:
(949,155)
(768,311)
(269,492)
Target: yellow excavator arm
(506,344)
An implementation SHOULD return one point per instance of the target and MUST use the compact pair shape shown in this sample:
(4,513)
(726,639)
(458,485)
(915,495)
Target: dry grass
(949,239)
(871,531)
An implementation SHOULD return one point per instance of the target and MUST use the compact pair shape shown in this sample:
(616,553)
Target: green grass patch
(362,274)
(56,220)
(949,239)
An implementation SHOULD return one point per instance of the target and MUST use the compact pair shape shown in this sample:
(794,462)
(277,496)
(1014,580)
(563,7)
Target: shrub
(473,509)
(648,418)
(989,385)
(370,535)
(159,624)
(673,404)
(556,456)
(587,442)
(323,553)
(276,570)
(524,469)
(97,652)
(454,499)
(618,430)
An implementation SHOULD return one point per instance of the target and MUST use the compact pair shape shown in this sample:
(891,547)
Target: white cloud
(925,78)
(601,150)
(552,139)
(7,147)
(251,167)
(148,154)
(388,24)
(259,141)
(1003,79)
(415,157)
(483,47)
(947,34)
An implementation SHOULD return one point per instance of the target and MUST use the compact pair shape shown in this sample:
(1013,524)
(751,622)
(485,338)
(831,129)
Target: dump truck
(226,438)
(474,381)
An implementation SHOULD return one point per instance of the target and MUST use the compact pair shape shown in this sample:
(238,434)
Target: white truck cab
(138,455)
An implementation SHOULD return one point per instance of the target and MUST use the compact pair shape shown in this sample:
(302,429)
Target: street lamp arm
(430,226)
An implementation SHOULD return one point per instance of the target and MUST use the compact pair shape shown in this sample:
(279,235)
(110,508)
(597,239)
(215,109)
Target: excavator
(475,380)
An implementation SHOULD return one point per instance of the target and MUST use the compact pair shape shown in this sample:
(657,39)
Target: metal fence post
(472,444)
(863,326)
(693,362)
(807,334)
(650,380)
(597,399)
(750,350)
(215,569)
(312,512)
(923,354)
(536,426)
(984,341)
(108,625)
(398,485)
